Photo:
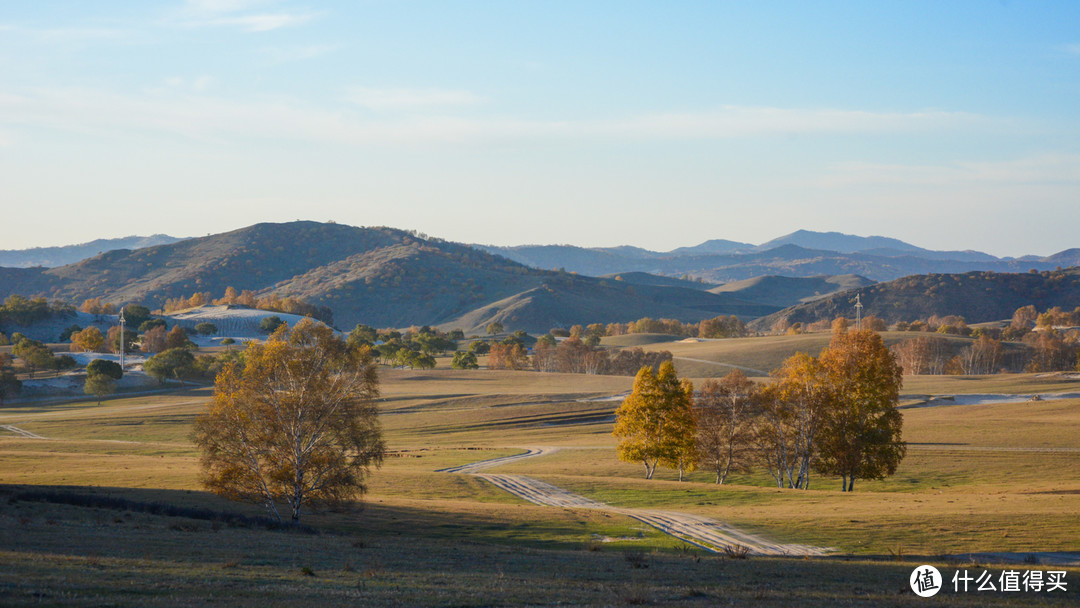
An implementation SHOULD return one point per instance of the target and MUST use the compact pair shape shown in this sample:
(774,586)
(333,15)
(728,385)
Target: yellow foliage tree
(655,423)
(296,424)
(861,435)
(89,340)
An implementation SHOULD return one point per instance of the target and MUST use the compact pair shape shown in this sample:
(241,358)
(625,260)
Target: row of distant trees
(1046,351)
(834,414)
(717,327)
(1025,320)
(288,305)
(1051,338)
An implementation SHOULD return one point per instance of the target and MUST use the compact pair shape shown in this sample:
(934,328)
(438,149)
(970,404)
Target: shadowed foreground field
(970,484)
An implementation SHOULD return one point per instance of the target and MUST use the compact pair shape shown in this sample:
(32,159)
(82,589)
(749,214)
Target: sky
(950,125)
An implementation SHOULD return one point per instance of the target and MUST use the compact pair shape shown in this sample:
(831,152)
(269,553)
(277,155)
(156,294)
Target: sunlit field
(981,479)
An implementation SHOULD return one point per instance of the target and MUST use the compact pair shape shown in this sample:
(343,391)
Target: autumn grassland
(977,479)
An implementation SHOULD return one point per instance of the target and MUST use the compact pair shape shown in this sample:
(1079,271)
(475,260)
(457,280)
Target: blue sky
(951,125)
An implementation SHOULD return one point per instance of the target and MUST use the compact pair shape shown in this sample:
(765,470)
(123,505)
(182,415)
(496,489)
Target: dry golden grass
(57,555)
(964,487)
(761,353)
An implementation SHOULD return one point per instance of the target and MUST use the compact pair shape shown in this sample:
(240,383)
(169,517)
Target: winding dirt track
(20,432)
(704,532)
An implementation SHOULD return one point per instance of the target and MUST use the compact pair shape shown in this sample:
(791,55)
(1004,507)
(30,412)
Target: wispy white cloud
(1046,168)
(240,14)
(387,99)
(1072,49)
(257,23)
(181,109)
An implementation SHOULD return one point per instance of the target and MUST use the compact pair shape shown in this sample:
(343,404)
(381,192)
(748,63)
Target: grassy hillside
(756,356)
(787,291)
(253,258)
(567,300)
(378,276)
(410,283)
(977,296)
(644,278)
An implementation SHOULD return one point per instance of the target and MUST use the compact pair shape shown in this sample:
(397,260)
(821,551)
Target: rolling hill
(644,278)
(392,278)
(977,296)
(566,300)
(788,291)
(379,276)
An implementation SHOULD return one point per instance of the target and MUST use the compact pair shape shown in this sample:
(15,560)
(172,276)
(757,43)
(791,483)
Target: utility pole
(858,311)
(122,337)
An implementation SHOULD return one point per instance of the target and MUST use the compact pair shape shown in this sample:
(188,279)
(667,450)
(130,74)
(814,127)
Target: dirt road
(704,532)
(20,432)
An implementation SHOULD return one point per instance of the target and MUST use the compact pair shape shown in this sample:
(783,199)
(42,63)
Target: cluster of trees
(101,377)
(717,327)
(573,356)
(94,306)
(949,324)
(508,354)
(1025,320)
(1051,344)
(785,326)
(294,421)
(1054,317)
(1052,350)
(834,414)
(931,355)
(578,353)
(288,305)
(153,339)
(416,347)
(20,310)
(35,356)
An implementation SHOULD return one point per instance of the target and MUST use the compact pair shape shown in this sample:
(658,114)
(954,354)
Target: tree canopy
(861,436)
(656,421)
(297,423)
(175,363)
(104,367)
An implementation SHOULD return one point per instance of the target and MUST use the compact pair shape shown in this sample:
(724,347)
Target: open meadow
(80,506)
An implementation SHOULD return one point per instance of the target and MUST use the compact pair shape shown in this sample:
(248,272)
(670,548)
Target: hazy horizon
(517,244)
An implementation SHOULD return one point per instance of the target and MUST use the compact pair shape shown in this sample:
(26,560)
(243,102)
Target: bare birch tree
(724,411)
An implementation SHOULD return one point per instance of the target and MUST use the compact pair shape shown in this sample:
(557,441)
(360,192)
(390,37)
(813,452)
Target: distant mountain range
(800,254)
(393,278)
(51,257)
